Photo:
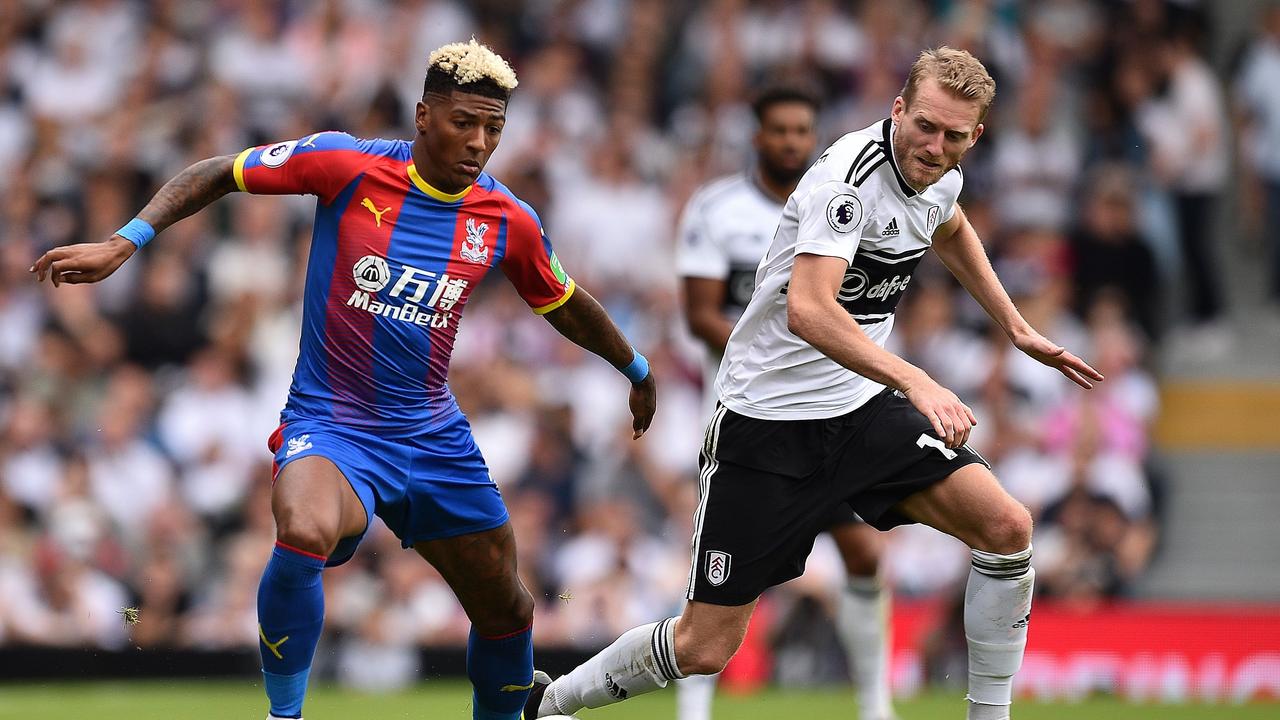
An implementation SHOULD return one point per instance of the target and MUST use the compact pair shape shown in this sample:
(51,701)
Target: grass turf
(452,701)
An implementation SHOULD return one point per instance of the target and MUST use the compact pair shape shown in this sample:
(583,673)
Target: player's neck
(772,188)
(430,172)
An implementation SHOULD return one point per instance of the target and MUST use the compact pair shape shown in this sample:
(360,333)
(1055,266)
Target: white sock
(863,621)
(997,609)
(641,661)
(978,711)
(694,695)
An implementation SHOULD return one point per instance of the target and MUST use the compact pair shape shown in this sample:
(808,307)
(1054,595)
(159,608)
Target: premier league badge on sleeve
(844,213)
(274,156)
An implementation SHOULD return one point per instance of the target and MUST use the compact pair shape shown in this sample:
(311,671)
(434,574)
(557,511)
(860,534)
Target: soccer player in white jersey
(814,412)
(724,231)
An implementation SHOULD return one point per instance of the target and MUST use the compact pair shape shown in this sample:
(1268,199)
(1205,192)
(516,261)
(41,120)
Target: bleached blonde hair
(958,72)
(468,63)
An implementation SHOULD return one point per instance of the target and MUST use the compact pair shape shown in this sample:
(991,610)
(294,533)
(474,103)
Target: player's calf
(997,610)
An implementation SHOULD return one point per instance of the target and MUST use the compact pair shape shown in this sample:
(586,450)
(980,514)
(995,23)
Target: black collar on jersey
(887,146)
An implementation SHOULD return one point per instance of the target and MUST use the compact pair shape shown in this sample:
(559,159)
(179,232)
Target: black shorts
(768,487)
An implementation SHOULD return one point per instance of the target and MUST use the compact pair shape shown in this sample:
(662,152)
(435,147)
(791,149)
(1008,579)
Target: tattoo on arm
(189,191)
(585,323)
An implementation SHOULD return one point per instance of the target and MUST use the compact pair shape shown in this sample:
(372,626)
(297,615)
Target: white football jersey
(725,229)
(853,203)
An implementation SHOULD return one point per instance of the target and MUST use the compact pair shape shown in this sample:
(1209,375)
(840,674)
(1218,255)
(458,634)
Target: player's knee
(522,609)
(1008,532)
(513,614)
(305,532)
(863,561)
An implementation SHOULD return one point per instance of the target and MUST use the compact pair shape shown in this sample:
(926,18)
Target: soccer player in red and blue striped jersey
(403,232)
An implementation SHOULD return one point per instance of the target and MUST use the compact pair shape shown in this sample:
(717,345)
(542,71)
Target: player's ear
(422,116)
(899,106)
(977,133)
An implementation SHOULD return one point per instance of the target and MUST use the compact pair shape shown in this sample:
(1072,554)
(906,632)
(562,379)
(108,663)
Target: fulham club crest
(934,211)
(718,567)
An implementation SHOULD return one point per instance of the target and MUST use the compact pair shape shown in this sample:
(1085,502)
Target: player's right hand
(83,262)
(952,420)
(643,402)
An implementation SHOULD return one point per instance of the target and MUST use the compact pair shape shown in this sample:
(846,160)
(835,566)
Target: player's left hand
(643,402)
(84,262)
(1056,356)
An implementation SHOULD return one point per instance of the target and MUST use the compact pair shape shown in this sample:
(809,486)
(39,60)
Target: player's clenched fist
(84,262)
(952,420)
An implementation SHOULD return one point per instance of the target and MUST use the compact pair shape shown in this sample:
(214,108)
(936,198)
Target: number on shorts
(927,440)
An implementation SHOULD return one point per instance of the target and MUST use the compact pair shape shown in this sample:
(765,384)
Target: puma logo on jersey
(367,204)
(274,647)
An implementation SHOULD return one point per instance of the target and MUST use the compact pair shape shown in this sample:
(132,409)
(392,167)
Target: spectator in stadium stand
(1109,256)
(1186,127)
(808,392)
(1259,106)
(370,425)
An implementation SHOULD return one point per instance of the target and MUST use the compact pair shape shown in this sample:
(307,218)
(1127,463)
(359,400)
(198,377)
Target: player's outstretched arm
(958,246)
(583,321)
(188,192)
(814,316)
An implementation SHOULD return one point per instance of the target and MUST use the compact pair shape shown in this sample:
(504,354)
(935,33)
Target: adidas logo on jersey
(890,230)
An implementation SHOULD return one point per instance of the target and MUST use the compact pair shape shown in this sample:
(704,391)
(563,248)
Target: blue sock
(501,672)
(290,615)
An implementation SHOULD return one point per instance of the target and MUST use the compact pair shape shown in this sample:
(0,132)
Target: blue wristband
(137,231)
(638,370)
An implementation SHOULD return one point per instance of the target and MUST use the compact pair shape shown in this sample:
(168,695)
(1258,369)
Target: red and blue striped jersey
(393,261)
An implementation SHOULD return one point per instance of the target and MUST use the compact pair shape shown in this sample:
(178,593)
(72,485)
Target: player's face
(458,132)
(933,133)
(786,140)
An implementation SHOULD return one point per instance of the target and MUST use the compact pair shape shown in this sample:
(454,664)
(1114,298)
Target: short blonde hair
(960,73)
(470,63)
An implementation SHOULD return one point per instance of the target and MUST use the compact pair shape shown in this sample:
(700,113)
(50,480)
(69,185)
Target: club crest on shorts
(717,568)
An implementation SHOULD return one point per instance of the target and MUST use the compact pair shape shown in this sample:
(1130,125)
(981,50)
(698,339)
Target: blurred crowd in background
(134,413)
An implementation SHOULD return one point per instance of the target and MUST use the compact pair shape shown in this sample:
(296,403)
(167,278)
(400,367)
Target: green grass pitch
(450,700)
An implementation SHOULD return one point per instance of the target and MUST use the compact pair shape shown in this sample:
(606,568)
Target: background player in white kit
(724,231)
(815,412)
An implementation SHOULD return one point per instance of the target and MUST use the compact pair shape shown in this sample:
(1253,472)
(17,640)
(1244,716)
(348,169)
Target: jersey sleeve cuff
(238,169)
(568,293)
(825,249)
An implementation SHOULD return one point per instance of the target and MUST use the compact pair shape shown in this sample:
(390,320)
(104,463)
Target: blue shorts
(424,487)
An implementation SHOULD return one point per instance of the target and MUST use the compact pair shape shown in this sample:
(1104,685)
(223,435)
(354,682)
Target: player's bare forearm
(703,300)
(585,323)
(962,252)
(815,317)
(833,332)
(190,191)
